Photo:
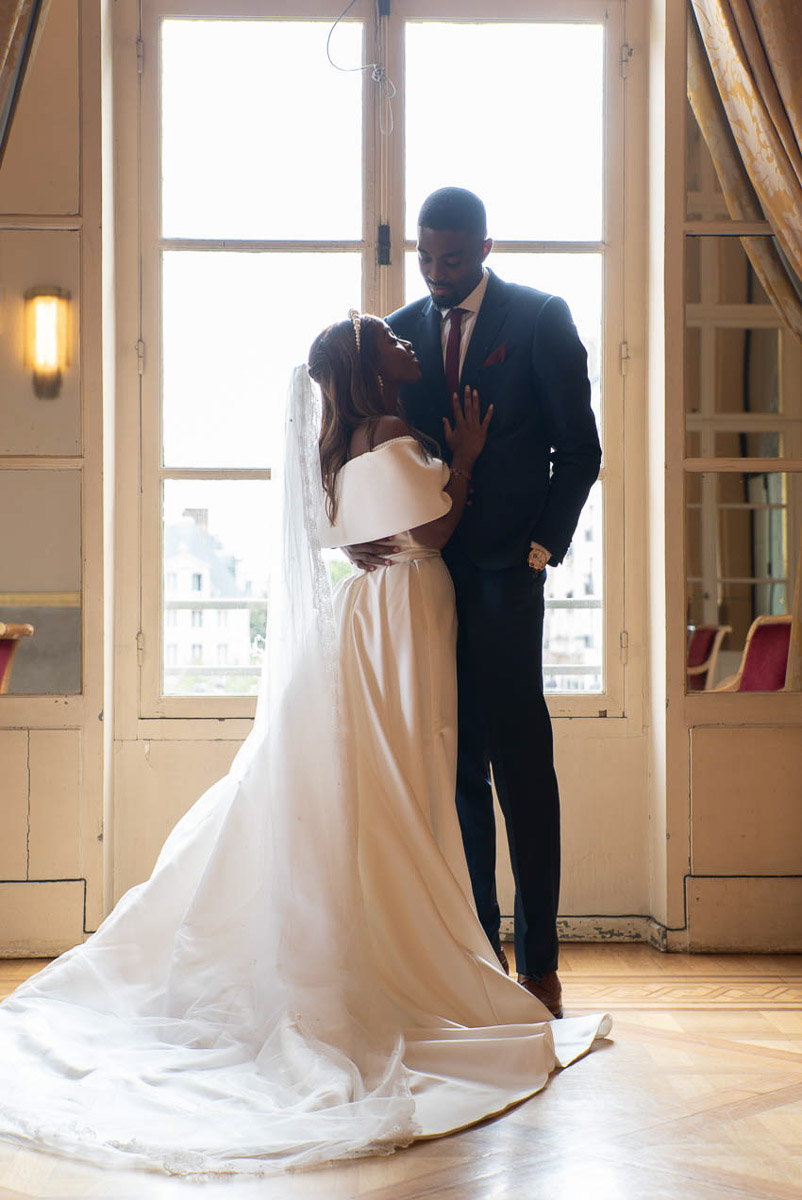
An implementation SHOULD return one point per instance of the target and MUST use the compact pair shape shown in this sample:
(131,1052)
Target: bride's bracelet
(458,473)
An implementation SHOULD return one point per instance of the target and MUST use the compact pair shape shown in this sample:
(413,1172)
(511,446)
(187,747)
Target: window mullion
(370,178)
(392,183)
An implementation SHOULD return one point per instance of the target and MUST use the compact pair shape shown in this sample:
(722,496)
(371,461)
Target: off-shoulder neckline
(404,437)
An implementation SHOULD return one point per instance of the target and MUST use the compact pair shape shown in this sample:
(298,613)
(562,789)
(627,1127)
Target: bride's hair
(348,377)
(349,380)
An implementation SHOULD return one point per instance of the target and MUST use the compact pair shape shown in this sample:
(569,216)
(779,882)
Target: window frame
(383,290)
(709,219)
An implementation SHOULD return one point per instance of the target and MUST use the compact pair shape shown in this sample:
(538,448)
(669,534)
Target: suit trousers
(504,724)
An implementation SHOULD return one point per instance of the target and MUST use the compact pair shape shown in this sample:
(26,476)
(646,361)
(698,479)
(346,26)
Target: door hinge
(140,648)
(140,357)
(623,357)
(383,246)
(626,58)
(140,56)
(624,644)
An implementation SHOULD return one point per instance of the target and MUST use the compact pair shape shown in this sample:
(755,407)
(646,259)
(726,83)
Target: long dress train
(303,977)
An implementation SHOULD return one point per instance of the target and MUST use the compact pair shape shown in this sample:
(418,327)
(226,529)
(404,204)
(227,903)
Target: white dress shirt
(471,304)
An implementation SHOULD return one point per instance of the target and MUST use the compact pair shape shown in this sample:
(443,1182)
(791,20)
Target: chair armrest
(730,684)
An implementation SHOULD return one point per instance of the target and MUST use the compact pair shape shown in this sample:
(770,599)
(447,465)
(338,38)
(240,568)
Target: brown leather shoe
(547,989)
(502,958)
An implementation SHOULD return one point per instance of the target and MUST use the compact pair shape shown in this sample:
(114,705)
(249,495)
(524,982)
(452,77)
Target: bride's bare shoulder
(369,435)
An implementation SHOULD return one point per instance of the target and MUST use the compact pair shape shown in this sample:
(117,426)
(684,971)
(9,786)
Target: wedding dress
(303,977)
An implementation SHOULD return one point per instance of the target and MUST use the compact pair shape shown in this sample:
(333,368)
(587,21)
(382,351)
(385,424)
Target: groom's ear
(487,246)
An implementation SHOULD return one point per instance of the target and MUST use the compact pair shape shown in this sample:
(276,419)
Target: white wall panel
(746,801)
(55,820)
(40,919)
(29,259)
(745,915)
(154,784)
(13,803)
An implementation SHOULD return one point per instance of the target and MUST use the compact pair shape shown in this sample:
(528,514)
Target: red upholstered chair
(765,658)
(704,643)
(9,641)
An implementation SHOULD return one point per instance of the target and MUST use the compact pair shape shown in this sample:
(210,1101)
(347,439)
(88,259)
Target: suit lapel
(489,322)
(429,348)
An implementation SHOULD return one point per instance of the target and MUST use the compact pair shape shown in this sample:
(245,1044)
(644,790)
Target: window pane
(234,327)
(540,176)
(705,200)
(750,443)
(741,533)
(216,539)
(718,270)
(573,639)
(575,277)
(747,370)
(244,153)
(41,577)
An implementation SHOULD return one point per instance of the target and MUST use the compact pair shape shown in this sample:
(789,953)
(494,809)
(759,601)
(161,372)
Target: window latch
(626,55)
(383,247)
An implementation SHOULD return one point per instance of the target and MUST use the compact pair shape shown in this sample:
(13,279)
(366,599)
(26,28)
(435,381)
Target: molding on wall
(41,918)
(757,897)
(606,929)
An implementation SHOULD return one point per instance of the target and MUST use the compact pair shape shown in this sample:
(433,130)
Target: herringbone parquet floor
(696,1096)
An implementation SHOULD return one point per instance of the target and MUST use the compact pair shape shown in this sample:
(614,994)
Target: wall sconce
(47,338)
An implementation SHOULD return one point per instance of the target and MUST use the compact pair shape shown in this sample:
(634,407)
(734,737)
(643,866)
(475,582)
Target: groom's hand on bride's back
(370,555)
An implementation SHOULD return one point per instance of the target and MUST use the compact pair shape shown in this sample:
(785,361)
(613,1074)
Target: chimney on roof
(200,516)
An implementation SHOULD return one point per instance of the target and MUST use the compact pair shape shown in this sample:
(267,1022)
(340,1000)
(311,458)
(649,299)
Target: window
(743,422)
(197,652)
(550,238)
(244,252)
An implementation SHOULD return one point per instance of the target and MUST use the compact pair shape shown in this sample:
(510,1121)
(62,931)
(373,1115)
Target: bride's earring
(381,385)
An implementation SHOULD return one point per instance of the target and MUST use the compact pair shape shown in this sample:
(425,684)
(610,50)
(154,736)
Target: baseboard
(605,929)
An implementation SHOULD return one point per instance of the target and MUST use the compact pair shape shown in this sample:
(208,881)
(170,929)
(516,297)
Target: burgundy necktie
(452,350)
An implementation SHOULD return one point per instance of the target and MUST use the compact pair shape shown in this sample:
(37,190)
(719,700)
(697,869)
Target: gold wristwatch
(538,556)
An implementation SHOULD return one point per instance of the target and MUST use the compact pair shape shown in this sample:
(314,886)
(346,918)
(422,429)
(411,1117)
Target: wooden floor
(696,1096)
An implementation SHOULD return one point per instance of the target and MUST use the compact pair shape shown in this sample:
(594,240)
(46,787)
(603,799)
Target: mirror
(742,536)
(40,548)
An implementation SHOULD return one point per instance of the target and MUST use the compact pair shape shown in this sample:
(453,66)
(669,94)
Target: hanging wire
(387,88)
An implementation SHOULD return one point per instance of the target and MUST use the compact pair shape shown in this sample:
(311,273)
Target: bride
(303,977)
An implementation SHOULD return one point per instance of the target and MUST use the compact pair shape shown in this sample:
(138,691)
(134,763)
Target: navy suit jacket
(542,454)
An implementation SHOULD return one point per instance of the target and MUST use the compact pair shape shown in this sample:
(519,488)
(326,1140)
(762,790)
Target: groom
(520,349)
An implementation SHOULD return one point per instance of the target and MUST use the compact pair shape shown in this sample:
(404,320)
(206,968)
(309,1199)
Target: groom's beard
(444,299)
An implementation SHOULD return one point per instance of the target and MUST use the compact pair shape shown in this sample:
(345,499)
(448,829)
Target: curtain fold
(739,102)
(21,22)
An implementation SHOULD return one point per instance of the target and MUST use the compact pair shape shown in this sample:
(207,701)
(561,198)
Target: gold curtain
(745,87)
(21,22)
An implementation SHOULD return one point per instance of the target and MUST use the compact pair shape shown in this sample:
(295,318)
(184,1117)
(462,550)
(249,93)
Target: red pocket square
(496,356)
